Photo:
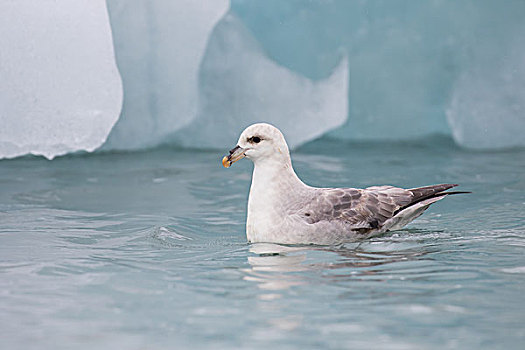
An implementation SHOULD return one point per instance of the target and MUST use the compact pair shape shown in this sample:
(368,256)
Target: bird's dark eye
(254,139)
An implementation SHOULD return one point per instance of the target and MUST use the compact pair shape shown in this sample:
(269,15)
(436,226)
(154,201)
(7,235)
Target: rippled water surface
(148,251)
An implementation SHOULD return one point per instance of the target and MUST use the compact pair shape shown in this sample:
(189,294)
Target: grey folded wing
(369,208)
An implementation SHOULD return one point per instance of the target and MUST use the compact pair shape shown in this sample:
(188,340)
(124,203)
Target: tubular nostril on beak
(235,154)
(234,149)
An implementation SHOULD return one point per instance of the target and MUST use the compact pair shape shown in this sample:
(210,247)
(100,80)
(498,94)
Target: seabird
(283,209)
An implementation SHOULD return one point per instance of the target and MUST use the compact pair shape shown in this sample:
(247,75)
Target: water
(148,250)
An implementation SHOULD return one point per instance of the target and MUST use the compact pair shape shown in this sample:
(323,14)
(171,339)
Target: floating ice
(400,57)
(414,67)
(159,46)
(412,63)
(60,90)
(240,85)
(488,102)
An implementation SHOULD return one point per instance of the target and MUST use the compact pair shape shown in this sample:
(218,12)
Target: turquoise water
(147,251)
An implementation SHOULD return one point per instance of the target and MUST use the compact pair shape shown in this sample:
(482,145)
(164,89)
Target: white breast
(269,210)
(263,219)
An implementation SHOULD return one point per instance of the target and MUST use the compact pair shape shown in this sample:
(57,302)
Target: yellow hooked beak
(235,154)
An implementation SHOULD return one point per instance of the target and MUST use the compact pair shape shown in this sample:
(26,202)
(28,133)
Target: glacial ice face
(399,55)
(487,108)
(398,70)
(159,47)
(240,85)
(412,63)
(60,90)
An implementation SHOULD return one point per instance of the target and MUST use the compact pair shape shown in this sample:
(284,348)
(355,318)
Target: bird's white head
(261,143)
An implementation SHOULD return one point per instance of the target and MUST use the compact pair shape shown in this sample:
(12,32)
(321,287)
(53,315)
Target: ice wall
(60,90)
(487,108)
(196,72)
(159,47)
(412,63)
(240,85)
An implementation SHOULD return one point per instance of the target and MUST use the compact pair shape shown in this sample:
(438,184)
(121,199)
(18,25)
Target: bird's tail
(423,198)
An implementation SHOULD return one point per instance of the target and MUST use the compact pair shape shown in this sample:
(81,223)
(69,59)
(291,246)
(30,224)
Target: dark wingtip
(456,192)
(449,186)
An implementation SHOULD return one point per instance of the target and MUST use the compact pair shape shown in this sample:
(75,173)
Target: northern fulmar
(283,209)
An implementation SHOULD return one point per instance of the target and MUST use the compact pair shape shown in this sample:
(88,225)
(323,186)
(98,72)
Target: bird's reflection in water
(277,268)
(280,271)
(273,265)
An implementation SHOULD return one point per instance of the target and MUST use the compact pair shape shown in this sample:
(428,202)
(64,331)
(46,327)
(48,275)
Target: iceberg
(61,91)
(240,85)
(196,72)
(159,46)
(416,68)
(398,52)
(487,109)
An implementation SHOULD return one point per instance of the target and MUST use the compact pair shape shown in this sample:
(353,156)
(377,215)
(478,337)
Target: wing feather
(361,208)
(369,208)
